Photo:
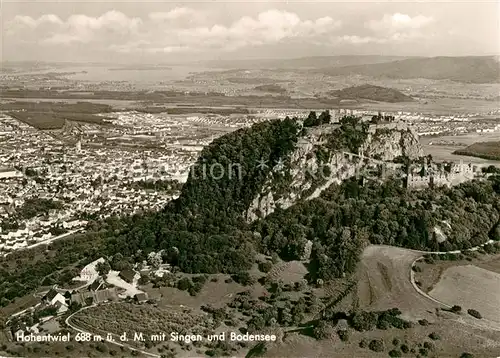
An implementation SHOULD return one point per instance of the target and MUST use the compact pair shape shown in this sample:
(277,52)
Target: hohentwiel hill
(278,163)
(289,187)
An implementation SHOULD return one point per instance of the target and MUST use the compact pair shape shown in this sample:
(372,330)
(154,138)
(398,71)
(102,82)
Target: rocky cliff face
(388,141)
(308,176)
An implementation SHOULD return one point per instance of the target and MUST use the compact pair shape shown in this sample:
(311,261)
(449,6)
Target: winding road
(386,279)
(412,273)
(485,323)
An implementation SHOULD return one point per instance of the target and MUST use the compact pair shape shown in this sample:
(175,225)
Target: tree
(323,330)
(184,284)
(428,345)
(155,259)
(171,255)
(383,324)
(495,234)
(364,321)
(377,345)
(119,263)
(395,353)
(343,335)
(256,324)
(434,336)
(324,117)
(466,355)
(143,280)
(265,266)
(244,278)
(311,120)
(301,285)
(456,309)
(474,313)
(103,268)
(3,319)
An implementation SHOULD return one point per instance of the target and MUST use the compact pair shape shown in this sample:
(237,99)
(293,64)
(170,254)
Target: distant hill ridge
(477,69)
(371,92)
(303,62)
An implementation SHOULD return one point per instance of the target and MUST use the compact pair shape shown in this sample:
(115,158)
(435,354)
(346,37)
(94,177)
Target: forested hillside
(237,177)
(349,216)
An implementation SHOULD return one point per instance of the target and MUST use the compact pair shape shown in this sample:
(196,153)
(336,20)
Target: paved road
(491,324)
(45,242)
(475,248)
(412,273)
(386,279)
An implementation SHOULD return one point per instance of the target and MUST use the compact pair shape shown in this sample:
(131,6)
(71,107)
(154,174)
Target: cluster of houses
(57,302)
(89,181)
(95,289)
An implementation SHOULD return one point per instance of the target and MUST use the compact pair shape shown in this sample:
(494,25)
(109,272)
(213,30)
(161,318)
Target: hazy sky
(157,31)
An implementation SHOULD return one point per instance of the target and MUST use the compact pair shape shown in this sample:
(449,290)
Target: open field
(384,283)
(44,121)
(490,265)
(56,107)
(429,274)
(115,104)
(470,287)
(288,272)
(20,304)
(486,150)
(446,152)
(435,106)
(213,293)
(193,110)
(213,99)
(60,349)
(53,115)
(455,339)
(465,139)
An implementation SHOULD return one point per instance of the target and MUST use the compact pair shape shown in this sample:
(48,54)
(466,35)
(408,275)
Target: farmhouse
(141,297)
(96,284)
(100,296)
(127,275)
(52,297)
(57,300)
